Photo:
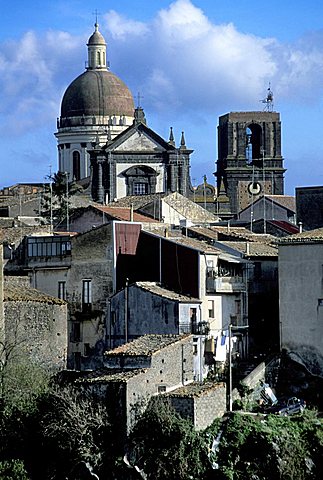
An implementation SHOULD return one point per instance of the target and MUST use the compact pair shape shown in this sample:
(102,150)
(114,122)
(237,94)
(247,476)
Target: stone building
(250,161)
(201,403)
(138,370)
(35,324)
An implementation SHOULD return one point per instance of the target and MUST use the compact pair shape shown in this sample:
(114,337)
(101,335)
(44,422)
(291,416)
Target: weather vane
(269,100)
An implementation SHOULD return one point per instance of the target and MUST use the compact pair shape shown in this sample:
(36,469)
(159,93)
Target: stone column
(100,179)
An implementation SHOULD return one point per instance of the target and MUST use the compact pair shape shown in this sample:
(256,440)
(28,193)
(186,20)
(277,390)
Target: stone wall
(39,331)
(202,409)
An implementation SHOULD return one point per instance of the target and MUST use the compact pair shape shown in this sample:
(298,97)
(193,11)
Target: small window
(77,360)
(87,349)
(86,295)
(76,332)
(62,290)
(211,308)
(161,388)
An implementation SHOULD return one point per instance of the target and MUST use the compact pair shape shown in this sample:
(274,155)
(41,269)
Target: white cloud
(180,62)
(121,27)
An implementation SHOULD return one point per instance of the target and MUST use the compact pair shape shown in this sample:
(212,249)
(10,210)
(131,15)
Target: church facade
(103,137)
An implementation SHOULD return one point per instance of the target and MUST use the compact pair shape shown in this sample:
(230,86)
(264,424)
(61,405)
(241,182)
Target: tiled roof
(189,209)
(123,213)
(138,201)
(215,232)
(20,294)
(153,287)
(177,237)
(305,237)
(195,389)
(110,375)
(146,345)
(253,249)
(287,201)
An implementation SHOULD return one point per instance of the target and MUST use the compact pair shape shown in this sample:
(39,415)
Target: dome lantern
(97,49)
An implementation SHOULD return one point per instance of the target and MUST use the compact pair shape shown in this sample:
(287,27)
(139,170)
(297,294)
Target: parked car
(292,406)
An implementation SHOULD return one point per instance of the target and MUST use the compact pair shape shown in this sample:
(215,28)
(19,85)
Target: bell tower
(250,162)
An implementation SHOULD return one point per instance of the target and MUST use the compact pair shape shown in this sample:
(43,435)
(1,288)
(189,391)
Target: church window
(114,120)
(76,165)
(103,58)
(98,56)
(140,189)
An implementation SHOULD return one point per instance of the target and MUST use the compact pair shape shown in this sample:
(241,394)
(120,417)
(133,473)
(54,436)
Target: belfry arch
(253,142)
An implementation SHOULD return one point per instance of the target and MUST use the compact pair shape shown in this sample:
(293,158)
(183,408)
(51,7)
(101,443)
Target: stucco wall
(301,301)
(147,313)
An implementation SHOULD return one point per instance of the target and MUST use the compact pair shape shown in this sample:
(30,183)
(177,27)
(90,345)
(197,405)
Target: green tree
(56,199)
(166,446)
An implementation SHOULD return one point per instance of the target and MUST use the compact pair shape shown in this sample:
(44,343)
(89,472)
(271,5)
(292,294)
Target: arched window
(98,56)
(76,165)
(253,142)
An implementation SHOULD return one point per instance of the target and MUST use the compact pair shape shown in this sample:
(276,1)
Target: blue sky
(192,61)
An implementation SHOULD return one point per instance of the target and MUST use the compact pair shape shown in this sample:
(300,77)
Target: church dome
(96,38)
(97,92)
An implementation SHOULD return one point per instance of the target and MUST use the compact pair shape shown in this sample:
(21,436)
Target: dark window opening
(76,332)
(62,290)
(76,166)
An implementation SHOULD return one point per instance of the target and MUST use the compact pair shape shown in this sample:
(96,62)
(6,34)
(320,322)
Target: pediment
(139,141)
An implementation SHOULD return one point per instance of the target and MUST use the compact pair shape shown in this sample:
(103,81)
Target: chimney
(300,225)
(131,212)
(247,248)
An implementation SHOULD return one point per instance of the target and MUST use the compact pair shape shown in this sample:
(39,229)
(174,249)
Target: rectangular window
(87,349)
(140,189)
(62,290)
(77,360)
(211,308)
(238,307)
(86,295)
(161,388)
(76,332)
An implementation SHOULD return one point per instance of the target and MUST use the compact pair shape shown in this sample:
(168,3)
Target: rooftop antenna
(269,100)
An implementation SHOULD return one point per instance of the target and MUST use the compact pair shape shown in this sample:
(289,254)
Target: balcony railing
(197,328)
(225,284)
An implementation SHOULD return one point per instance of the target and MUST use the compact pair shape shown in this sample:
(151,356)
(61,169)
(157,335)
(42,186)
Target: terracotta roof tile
(153,287)
(146,345)
(195,389)
(309,236)
(253,249)
(22,294)
(123,213)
